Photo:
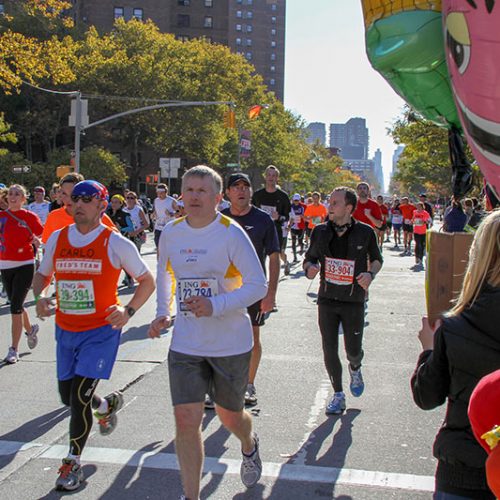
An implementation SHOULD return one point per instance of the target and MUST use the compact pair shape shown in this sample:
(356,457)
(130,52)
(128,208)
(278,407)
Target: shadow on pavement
(334,456)
(148,482)
(33,430)
(4,363)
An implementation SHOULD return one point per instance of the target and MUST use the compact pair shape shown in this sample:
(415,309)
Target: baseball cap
(296,197)
(39,189)
(238,176)
(90,188)
(2,185)
(423,194)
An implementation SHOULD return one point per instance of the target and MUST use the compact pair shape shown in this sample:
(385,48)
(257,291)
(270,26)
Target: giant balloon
(404,43)
(472,33)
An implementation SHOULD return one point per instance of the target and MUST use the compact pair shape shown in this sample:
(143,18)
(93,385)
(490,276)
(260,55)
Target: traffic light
(229,118)
(152,179)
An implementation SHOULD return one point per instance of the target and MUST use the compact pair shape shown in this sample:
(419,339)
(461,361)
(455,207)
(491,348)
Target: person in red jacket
(367,210)
(20,230)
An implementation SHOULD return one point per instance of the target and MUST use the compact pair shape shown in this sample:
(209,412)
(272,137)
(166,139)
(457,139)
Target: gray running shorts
(225,379)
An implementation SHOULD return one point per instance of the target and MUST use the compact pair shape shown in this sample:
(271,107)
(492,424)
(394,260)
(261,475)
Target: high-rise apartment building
(351,137)
(253,28)
(316,132)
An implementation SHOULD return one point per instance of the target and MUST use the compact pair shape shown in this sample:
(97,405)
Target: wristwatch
(130,311)
(372,274)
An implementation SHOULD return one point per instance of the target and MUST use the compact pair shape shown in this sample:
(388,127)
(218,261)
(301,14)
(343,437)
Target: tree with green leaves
(425,162)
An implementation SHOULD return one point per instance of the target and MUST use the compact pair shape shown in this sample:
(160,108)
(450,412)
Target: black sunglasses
(85,198)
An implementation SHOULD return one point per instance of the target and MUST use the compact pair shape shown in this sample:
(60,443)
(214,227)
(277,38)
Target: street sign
(21,169)
(169,167)
(84,113)
(232,165)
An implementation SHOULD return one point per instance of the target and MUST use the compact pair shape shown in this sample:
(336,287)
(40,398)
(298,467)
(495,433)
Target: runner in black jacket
(465,347)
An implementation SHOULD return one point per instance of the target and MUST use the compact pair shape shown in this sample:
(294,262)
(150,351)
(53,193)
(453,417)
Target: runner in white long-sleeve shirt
(209,265)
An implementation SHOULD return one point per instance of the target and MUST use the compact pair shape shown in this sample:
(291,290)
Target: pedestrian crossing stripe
(222,466)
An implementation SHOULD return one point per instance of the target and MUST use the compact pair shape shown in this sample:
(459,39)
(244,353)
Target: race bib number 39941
(195,287)
(339,271)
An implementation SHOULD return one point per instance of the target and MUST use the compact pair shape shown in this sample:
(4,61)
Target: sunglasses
(130,197)
(85,198)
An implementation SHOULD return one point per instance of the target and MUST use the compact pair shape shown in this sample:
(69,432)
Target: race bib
(418,222)
(408,222)
(339,271)
(397,219)
(76,296)
(316,220)
(268,209)
(297,219)
(195,287)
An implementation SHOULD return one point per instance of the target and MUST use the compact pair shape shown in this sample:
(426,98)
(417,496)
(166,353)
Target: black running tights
(352,316)
(78,394)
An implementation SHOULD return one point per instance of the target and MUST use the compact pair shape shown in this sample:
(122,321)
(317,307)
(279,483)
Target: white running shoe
(251,467)
(12,356)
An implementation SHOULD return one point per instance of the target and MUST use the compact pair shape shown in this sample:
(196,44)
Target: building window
(239,14)
(273,57)
(274,7)
(248,55)
(183,2)
(273,32)
(183,20)
(249,42)
(139,14)
(208,22)
(209,3)
(249,14)
(238,27)
(273,19)
(273,43)
(239,1)
(249,2)
(272,81)
(183,38)
(273,69)
(2,8)
(238,41)
(119,12)
(249,28)
(207,39)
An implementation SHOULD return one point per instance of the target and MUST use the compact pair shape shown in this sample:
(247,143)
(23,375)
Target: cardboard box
(447,258)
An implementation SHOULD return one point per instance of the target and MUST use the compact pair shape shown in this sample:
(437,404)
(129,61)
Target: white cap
(296,196)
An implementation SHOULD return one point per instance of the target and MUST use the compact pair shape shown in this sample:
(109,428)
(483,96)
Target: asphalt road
(379,449)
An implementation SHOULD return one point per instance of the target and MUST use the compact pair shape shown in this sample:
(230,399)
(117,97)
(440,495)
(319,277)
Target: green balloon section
(408,50)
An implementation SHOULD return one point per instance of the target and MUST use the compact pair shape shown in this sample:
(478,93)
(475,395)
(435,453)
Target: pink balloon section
(475,78)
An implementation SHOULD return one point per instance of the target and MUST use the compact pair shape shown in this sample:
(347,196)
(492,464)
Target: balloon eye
(459,52)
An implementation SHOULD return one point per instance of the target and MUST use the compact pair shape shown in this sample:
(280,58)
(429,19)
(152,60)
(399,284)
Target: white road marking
(289,472)
(317,408)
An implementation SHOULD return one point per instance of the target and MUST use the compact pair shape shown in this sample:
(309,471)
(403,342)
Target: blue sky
(328,77)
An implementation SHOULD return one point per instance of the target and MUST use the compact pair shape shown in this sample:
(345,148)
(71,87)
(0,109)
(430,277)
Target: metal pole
(239,148)
(169,176)
(78,128)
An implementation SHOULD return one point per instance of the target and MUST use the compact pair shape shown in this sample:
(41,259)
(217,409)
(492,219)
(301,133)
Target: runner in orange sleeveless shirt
(89,317)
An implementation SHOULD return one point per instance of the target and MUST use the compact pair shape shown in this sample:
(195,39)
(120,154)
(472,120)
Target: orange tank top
(86,282)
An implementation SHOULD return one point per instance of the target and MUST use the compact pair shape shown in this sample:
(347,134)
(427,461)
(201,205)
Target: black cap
(423,194)
(238,176)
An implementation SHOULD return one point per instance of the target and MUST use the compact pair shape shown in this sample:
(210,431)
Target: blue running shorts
(91,353)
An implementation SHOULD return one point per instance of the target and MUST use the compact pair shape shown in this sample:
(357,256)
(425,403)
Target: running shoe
(336,406)
(251,466)
(32,336)
(12,356)
(250,395)
(70,475)
(357,385)
(108,421)
(209,403)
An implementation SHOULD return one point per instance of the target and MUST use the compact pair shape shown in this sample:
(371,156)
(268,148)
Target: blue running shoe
(336,406)
(357,385)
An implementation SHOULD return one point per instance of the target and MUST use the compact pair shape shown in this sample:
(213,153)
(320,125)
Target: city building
(395,158)
(378,171)
(316,132)
(253,28)
(351,137)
